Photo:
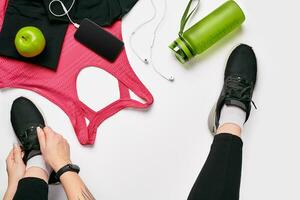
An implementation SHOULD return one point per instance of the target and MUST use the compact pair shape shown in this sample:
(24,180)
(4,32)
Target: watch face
(74,168)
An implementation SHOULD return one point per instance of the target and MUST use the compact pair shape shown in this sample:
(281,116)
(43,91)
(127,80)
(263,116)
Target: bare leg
(36,172)
(231,129)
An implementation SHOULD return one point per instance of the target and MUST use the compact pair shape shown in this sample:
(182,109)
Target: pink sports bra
(60,86)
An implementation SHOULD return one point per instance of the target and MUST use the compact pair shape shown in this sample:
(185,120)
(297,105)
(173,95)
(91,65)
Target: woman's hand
(15,168)
(56,152)
(55,149)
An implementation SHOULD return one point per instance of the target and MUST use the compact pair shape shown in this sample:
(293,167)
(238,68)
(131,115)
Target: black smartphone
(99,40)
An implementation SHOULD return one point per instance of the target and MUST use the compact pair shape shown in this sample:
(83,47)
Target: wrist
(11,189)
(12,185)
(67,175)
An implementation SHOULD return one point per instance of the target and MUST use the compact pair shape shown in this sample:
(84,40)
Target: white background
(157,155)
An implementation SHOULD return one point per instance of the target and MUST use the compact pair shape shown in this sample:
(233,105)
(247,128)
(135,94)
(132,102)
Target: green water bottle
(206,32)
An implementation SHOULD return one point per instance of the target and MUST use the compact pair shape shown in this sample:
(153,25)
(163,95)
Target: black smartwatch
(66,168)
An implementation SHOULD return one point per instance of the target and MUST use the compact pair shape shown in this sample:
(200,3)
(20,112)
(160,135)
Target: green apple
(30,41)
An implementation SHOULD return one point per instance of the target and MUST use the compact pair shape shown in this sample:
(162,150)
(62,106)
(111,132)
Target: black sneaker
(239,83)
(25,118)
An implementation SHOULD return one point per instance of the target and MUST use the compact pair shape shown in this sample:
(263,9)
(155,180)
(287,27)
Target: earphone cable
(144,60)
(140,27)
(171,78)
(65,10)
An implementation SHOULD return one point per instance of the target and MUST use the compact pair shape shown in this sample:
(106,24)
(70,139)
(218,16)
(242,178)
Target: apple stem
(24,38)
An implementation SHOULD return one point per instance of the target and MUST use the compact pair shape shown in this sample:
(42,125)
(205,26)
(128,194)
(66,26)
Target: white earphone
(66,11)
(139,27)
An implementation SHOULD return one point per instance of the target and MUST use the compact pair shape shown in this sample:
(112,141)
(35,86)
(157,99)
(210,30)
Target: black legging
(219,179)
(32,189)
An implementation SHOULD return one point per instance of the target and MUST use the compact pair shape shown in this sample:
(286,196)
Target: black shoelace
(28,137)
(239,89)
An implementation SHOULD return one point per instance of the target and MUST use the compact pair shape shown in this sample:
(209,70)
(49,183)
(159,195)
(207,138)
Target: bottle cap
(182,50)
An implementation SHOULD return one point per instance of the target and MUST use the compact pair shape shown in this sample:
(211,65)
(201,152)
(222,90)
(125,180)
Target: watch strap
(67,168)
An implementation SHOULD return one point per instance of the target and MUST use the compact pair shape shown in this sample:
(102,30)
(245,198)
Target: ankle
(230,128)
(37,172)
(39,162)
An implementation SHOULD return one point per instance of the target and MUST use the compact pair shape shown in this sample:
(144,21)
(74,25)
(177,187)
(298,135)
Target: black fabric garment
(21,13)
(103,12)
(32,189)
(220,177)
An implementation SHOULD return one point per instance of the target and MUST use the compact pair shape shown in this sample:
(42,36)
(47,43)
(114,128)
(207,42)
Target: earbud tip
(171,78)
(146,61)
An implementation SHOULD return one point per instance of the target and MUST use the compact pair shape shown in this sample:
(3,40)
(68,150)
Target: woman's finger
(17,152)
(10,155)
(41,137)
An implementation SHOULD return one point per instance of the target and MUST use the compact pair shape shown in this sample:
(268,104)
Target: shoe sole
(211,120)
